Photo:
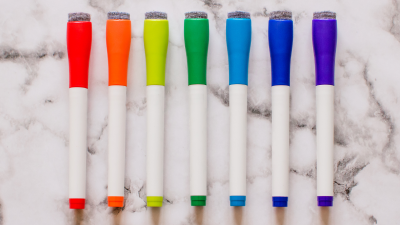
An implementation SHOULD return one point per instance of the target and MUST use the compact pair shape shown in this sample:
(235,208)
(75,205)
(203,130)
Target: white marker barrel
(238,139)
(116,140)
(155,143)
(77,142)
(198,139)
(325,139)
(280,140)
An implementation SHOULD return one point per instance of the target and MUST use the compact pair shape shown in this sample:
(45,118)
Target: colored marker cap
(198,200)
(118,39)
(76,203)
(238,200)
(155,37)
(79,43)
(324,35)
(196,34)
(154,201)
(238,40)
(325,201)
(115,201)
(280,201)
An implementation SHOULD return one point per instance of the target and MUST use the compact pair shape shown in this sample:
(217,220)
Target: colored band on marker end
(154,201)
(325,201)
(280,201)
(238,200)
(76,203)
(198,200)
(115,201)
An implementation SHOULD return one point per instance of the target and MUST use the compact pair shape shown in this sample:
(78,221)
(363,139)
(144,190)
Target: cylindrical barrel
(325,143)
(196,33)
(280,35)
(116,144)
(238,143)
(155,144)
(79,42)
(238,39)
(118,38)
(77,146)
(280,145)
(324,33)
(155,37)
(198,143)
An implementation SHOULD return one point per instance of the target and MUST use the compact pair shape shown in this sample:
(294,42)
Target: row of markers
(196,32)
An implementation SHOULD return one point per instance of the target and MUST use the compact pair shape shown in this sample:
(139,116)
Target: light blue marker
(238,39)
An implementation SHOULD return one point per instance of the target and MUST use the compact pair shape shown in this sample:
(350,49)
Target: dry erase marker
(238,39)
(196,31)
(280,34)
(324,33)
(155,45)
(79,43)
(118,38)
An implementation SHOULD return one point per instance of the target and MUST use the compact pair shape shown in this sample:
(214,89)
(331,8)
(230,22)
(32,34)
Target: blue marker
(280,34)
(238,39)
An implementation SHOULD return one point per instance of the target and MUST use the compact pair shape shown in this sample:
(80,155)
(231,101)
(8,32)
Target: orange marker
(118,35)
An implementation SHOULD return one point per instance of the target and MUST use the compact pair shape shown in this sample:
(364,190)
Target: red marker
(79,43)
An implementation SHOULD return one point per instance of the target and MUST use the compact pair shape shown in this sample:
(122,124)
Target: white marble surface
(34,116)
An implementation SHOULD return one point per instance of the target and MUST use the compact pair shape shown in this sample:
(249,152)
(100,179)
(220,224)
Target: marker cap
(154,201)
(238,200)
(238,39)
(196,33)
(280,35)
(79,43)
(324,34)
(198,200)
(118,38)
(155,35)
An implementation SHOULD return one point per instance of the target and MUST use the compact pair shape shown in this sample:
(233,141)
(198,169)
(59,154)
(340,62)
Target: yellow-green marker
(196,30)
(155,45)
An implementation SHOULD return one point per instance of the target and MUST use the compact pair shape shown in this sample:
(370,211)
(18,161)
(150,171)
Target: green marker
(196,31)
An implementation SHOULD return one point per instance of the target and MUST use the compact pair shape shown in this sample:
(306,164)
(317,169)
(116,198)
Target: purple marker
(324,32)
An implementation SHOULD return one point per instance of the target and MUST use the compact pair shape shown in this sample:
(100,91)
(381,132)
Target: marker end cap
(238,200)
(115,201)
(280,201)
(76,203)
(325,201)
(154,201)
(198,200)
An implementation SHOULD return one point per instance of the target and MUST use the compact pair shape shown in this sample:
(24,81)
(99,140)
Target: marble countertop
(34,116)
